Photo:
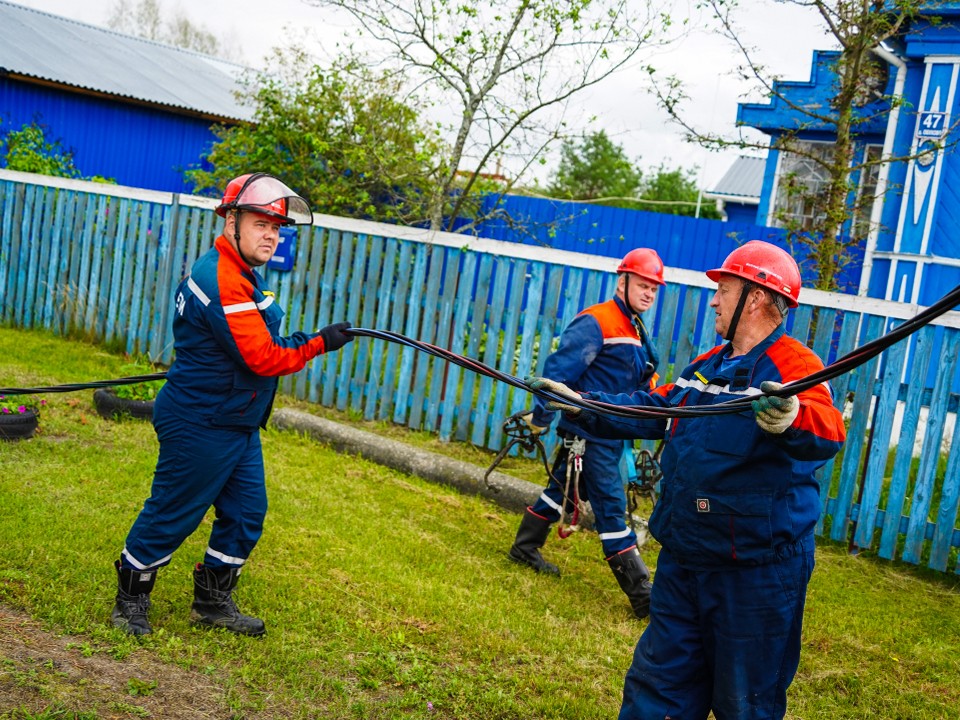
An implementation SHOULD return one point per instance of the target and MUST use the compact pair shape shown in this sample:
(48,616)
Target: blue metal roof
(49,49)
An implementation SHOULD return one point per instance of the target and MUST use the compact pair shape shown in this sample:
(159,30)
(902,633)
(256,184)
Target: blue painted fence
(103,262)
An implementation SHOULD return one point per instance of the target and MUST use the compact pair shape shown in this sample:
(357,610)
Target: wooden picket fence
(103,262)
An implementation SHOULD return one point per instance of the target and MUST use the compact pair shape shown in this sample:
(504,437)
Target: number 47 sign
(932,125)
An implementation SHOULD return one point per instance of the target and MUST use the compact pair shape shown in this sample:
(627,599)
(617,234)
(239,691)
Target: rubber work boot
(133,599)
(213,603)
(634,579)
(531,535)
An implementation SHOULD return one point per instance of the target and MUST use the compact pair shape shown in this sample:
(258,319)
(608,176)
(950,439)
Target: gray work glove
(775,414)
(557,388)
(535,429)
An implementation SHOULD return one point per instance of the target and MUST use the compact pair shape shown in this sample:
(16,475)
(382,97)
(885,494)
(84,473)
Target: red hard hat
(766,265)
(265,194)
(644,263)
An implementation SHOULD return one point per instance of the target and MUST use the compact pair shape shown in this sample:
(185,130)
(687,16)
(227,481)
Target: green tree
(503,69)
(339,137)
(674,192)
(594,168)
(597,170)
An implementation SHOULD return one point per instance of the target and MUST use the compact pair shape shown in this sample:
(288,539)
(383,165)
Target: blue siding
(682,242)
(137,146)
(741,213)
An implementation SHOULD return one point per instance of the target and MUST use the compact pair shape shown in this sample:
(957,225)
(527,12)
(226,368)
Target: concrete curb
(509,492)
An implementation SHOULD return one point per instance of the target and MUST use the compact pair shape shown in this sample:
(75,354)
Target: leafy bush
(146,390)
(29,150)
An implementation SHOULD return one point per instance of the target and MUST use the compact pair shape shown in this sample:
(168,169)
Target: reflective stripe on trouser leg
(550,502)
(195,463)
(602,485)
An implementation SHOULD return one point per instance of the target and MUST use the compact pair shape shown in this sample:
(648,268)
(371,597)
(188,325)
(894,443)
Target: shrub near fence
(103,262)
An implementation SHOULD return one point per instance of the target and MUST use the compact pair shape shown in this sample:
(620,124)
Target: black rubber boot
(531,535)
(634,579)
(133,599)
(213,603)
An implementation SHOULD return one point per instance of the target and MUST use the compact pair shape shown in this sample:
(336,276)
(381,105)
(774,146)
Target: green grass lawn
(384,596)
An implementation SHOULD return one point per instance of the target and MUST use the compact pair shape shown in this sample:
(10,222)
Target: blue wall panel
(136,146)
(682,242)
(737,212)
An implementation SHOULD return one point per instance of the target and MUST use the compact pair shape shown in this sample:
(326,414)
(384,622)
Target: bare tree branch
(502,66)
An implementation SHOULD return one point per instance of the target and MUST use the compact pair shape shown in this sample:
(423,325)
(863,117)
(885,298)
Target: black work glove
(333,336)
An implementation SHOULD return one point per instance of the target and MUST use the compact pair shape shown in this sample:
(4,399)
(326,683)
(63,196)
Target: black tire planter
(20,426)
(111,407)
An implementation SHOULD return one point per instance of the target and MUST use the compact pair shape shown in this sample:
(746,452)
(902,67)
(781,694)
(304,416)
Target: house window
(803,183)
(867,191)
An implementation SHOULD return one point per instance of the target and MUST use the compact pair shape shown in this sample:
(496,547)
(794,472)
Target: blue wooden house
(908,111)
(130,109)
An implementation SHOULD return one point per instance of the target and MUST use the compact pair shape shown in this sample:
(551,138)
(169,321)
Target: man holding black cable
(218,394)
(738,504)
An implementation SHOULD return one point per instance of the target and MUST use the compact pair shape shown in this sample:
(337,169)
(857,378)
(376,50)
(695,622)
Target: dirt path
(41,671)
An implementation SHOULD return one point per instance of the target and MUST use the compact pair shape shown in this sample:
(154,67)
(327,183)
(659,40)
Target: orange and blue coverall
(604,348)
(218,394)
(735,521)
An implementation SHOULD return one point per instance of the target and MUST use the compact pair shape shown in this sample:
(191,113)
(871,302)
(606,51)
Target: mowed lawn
(385,596)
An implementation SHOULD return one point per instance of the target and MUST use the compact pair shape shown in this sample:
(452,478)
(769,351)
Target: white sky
(784,34)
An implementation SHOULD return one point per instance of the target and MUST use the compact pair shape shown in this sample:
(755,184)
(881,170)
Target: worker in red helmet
(738,505)
(605,348)
(208,415)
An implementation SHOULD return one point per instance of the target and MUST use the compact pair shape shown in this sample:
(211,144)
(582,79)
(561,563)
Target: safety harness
(575,447)
(520,433)
(647,481)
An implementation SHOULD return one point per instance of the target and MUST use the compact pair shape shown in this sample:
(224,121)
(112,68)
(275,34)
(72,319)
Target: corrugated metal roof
(743,181)
(66,52)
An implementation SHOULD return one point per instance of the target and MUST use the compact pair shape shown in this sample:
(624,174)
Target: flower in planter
(19,417)
(18,405)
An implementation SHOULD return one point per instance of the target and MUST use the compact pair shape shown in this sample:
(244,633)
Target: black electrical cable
(842,365)
(83,386)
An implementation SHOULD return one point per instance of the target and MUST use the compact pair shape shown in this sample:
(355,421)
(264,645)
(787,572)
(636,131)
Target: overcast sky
(785,35)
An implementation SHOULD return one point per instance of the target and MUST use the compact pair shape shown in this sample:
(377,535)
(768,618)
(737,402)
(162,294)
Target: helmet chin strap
(735,320)
(236,237)
(626,293)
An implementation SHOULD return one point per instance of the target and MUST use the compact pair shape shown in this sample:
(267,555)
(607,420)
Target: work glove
(557,388)
(535,429)
(333,336)
(775,414)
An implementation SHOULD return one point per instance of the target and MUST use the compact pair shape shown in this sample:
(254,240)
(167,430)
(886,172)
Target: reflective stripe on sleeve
(195,289)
